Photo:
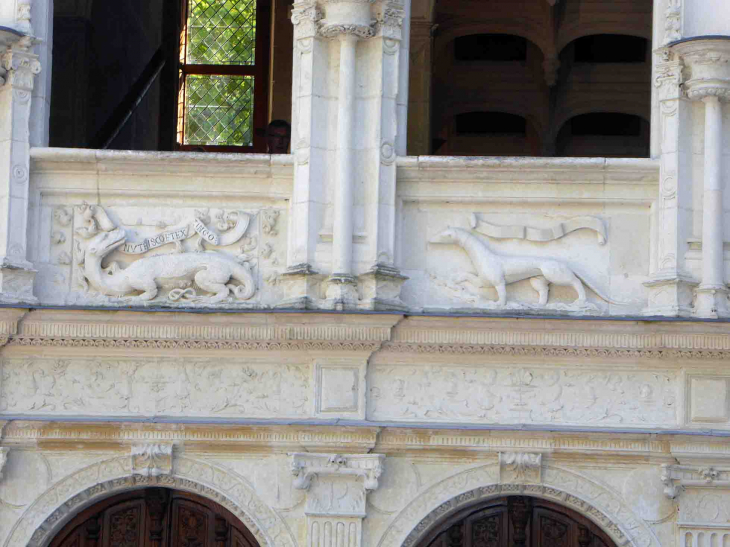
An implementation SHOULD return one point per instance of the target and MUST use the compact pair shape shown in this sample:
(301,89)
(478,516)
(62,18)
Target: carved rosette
(707,64)
(336,484)
(152,460)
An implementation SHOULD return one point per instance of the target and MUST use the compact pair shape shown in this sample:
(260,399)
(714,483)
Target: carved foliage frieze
(126,387)
(522,395)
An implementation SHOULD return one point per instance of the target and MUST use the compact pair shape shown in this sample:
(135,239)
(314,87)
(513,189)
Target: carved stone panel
(501,394)
(127,387)
(340,389)
(152,460)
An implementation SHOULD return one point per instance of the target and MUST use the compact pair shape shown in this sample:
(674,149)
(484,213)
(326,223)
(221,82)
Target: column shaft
(712,229)
(343,218)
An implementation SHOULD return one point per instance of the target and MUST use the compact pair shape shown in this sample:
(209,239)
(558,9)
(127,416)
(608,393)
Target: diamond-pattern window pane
(219,110)
(221,32)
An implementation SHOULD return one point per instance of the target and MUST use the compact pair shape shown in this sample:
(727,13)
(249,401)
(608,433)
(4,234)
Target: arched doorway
(155,517)
(516,521)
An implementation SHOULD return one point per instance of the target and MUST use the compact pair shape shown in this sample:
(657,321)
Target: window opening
(490,123)
(490,47)
(222,100)
(610,48)
(605,124)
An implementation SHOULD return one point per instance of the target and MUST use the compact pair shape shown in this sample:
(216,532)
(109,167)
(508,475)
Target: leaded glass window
(223,75)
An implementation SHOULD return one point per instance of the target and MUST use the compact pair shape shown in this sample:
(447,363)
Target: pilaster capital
(668,74)
(707,63)
(337,484)
(677,478)
(18,65)
(360,18)
(3,459)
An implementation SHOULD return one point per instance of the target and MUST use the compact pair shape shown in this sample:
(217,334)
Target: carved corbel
(520,467)
(3,459)
(152,460)
(677,478)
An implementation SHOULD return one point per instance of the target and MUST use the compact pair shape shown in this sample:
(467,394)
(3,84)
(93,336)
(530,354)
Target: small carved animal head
(105,242)
(449,235)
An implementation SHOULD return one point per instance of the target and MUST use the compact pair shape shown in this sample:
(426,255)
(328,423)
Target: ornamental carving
(201,266)
(127,387)
(152,460)
(677,478)
(501,394)
(337,484)
(673,21)
(492,270)
(520,467)
(19,66)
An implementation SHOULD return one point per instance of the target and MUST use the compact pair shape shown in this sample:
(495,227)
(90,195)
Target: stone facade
(347,343)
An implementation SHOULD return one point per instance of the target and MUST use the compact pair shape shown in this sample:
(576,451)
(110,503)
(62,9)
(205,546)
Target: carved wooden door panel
(155,517)
(517,521)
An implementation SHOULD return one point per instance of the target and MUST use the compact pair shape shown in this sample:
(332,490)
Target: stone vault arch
(47,515)
(587,497)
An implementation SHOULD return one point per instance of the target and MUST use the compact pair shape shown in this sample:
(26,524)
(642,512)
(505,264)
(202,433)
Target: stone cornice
(234,332)
(677,478)
(259,332)
(701,451)
(550,338)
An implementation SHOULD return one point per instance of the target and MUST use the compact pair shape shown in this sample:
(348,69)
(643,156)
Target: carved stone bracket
(152,460)
(676,478)
(337,484)
(3,459)
(520,467)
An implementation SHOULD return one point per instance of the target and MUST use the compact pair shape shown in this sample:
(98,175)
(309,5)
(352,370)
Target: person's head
(278,135)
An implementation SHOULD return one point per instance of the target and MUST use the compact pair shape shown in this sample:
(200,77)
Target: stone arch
(524,30)
(571,33)
(47,515)
(573,110)
(589,498)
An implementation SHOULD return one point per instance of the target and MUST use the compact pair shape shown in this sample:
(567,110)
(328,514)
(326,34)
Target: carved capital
(3,459)
(18,66)
(677,478)
(306,17)
(520,467)
(152,460)
(337,484)
(708,68)
(668,74)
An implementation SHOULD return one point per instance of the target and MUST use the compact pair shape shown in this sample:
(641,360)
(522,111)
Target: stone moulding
(50,512)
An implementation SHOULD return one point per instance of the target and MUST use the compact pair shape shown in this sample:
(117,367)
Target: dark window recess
(612,125)
(490,47)
(610,48)
(490,122)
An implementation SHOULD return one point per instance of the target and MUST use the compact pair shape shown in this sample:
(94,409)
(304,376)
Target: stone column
(344,133)
(708,65)
(337,487)
(18,67)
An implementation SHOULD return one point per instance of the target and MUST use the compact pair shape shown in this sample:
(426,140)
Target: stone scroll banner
(233,226)
(558,230)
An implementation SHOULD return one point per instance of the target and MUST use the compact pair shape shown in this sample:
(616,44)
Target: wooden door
(155,517)
(517,521)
